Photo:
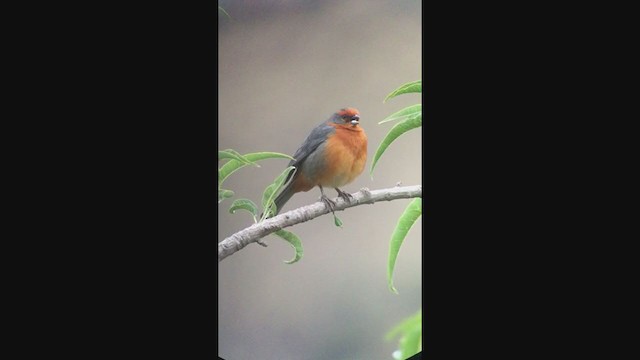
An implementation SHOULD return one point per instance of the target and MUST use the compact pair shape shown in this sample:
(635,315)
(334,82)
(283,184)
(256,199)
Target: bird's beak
(355,120)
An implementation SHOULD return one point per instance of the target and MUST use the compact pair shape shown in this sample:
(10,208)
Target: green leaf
(337,221)
(269,194)
(410,87)
(397,130)
(294,240)
(233,165)
(406,324)
(244,204)
(410,329)
(224,194)
(411,213)
(408,112)
(411,343)
(232,154)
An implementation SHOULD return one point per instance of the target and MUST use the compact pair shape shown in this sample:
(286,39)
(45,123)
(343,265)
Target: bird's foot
(346,196)
(330,203)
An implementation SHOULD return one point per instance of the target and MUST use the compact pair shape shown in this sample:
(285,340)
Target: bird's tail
(283,197)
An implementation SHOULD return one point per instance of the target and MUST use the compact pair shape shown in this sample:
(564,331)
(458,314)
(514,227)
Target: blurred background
(283,67)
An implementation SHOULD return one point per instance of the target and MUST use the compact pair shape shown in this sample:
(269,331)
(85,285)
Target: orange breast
(346,155)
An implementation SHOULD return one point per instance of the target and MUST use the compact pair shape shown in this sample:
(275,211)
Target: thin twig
(257,231)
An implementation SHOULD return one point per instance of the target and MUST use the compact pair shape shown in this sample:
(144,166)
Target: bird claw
(346,196)
(330,203)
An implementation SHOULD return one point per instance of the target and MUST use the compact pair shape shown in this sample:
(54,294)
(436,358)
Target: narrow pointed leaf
(412,342)
(411,213)
(397,130)
(406,324)
(244,204)
(233,165)
(294,240)
(410,87)
(269,194)
(407,112)
(410,331)
(232,154)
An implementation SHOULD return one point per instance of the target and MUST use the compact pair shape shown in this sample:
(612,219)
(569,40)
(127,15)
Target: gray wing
(315,139)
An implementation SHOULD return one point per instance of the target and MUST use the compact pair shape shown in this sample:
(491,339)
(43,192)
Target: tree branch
(259,230)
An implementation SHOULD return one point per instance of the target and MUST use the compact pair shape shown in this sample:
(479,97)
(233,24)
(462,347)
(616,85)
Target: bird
(333,155)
